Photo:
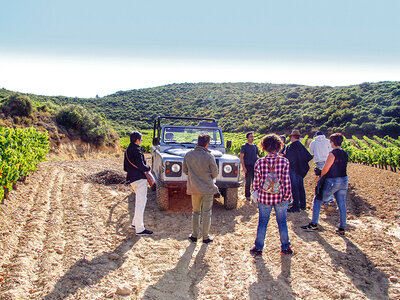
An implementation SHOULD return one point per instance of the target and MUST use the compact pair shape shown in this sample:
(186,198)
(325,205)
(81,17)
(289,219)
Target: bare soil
(64,236)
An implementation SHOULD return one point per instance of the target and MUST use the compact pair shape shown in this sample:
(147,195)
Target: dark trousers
(298,192)
(249,176)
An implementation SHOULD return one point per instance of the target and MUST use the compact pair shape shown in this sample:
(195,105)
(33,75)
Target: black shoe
(293,209)
(288,251)
(144,232)
(310,227)
(209,240)
(133,227)
(340,230)
(192,239)
(255,252)
(248,198)
(302,208)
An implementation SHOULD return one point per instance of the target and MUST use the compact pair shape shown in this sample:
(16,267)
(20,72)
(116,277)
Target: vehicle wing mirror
(228,144)
(156,141)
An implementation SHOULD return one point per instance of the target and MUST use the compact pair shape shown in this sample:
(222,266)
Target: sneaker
(288,251)
(209,240)
(340,230)
(310,227)
(144,232)
(133,227)
(293,209)
(255,252)
(192,239)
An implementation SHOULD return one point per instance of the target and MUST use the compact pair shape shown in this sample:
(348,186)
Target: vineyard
(377,152)
(20,151)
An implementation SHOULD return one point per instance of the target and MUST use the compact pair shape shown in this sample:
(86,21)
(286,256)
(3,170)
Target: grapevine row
(20,151)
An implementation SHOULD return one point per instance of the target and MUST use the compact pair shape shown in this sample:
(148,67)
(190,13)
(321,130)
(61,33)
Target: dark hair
(248,134)
(271,143)
(135,135)
(336,139)
(283,138)
(203,139)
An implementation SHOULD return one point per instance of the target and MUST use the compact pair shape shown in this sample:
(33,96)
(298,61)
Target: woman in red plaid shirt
(272,181)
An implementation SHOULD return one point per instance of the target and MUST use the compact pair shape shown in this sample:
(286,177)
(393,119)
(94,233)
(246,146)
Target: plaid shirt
(282,172)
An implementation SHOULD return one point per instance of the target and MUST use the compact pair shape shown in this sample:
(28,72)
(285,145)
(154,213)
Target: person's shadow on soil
(268,288)
(357,266)
(84,272)
(181,281)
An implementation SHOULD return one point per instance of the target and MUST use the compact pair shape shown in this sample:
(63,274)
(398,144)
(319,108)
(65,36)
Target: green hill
(365,109)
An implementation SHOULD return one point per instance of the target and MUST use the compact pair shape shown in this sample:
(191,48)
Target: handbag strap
(126,155)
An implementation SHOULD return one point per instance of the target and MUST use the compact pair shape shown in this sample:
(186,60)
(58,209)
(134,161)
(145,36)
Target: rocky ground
(64,236)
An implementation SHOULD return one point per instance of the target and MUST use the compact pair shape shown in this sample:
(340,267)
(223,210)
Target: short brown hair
(248,134)
(336,139)
(271,143)
(203,139)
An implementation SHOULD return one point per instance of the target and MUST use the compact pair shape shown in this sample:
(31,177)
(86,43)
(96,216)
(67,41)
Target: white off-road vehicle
(170,144)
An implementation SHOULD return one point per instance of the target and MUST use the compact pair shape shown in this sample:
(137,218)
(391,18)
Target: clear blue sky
(83,48)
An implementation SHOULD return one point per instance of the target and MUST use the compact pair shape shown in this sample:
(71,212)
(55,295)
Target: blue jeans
(333,186)
(264,211)
(298,192)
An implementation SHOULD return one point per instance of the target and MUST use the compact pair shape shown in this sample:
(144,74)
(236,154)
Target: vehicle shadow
(174,284)
(266,286)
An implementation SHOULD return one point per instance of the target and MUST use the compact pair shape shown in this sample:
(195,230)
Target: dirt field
(63,237)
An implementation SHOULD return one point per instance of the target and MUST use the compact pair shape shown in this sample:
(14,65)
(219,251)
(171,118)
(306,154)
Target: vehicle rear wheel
(162,196)
(230,198)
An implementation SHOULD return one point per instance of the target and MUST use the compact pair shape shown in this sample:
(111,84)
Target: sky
(86,48)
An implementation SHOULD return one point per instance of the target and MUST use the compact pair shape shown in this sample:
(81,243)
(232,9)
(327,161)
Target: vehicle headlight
(230,169)
(227,169)
(175,168)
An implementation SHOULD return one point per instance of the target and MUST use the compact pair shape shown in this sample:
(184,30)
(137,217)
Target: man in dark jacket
(248,156)
(298,157)
(135,166)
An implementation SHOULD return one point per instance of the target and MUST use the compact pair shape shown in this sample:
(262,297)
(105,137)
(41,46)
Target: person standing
(248,156)
(272,181)
(336,183)
(135,166)
(298,157)
(201,168)
(320,148)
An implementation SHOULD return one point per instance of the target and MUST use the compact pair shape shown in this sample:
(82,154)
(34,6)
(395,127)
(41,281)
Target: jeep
(170,144)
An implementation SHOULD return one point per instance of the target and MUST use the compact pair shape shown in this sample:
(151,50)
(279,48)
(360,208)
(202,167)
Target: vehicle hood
(182,152)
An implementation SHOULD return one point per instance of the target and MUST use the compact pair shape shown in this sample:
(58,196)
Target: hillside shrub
(90,127)
(17,105)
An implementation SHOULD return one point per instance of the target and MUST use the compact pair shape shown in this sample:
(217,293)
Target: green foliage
(92,127)
(365,109)
(147,140)
(378,152)
(17,105)
(20,151)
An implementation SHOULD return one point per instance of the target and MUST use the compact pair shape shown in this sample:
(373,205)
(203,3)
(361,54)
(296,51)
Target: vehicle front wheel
(162,196)
(230,198)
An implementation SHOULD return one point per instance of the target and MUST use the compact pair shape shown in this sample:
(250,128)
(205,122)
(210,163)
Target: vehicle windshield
(182,135)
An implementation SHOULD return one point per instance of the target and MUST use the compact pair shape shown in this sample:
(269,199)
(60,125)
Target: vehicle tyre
(230,198)
(162,196)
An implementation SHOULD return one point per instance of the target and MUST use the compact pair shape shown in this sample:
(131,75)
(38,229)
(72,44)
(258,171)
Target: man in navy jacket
(298,157)
(135,166)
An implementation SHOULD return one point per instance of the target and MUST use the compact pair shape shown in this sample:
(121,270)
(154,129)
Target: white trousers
(139,187)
